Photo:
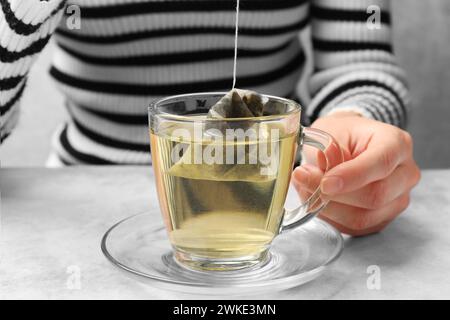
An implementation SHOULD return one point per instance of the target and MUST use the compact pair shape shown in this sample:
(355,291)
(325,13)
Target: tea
(221,211)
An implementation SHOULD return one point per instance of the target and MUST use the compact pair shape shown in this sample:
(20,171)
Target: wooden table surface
(53,221)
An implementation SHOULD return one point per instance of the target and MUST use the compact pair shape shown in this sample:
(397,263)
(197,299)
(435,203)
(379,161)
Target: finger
(376,163)
(306,180)
(304,194)
(357,221)
(380,193)
(332,156)
(327,159)
(307,177)
(312,156)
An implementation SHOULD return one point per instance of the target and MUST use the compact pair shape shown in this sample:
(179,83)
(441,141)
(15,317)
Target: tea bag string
(236,42)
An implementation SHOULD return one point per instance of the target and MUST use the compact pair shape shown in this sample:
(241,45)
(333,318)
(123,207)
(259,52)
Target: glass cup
(222,183)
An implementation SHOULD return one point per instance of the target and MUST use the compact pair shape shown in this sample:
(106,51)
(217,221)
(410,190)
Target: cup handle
(333,155)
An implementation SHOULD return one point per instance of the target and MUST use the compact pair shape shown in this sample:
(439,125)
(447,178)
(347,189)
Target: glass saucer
(139,245)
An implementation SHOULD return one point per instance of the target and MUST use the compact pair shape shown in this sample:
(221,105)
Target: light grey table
(53,221)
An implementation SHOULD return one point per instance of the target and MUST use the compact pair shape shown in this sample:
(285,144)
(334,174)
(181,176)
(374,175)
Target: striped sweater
(129,52)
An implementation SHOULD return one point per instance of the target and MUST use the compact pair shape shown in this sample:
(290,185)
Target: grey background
(422,41)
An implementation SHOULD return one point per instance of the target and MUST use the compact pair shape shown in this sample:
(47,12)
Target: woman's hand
(371,188)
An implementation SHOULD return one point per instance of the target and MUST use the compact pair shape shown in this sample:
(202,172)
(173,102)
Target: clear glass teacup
(222,183)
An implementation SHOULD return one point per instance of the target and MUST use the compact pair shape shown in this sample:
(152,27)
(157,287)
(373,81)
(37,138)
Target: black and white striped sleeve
(25,29)
(354,64)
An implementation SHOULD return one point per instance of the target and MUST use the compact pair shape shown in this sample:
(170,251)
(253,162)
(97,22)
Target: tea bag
(273,107)
(235,104)
(232,105)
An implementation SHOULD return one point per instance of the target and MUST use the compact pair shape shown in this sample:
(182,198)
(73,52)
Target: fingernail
(332,185)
